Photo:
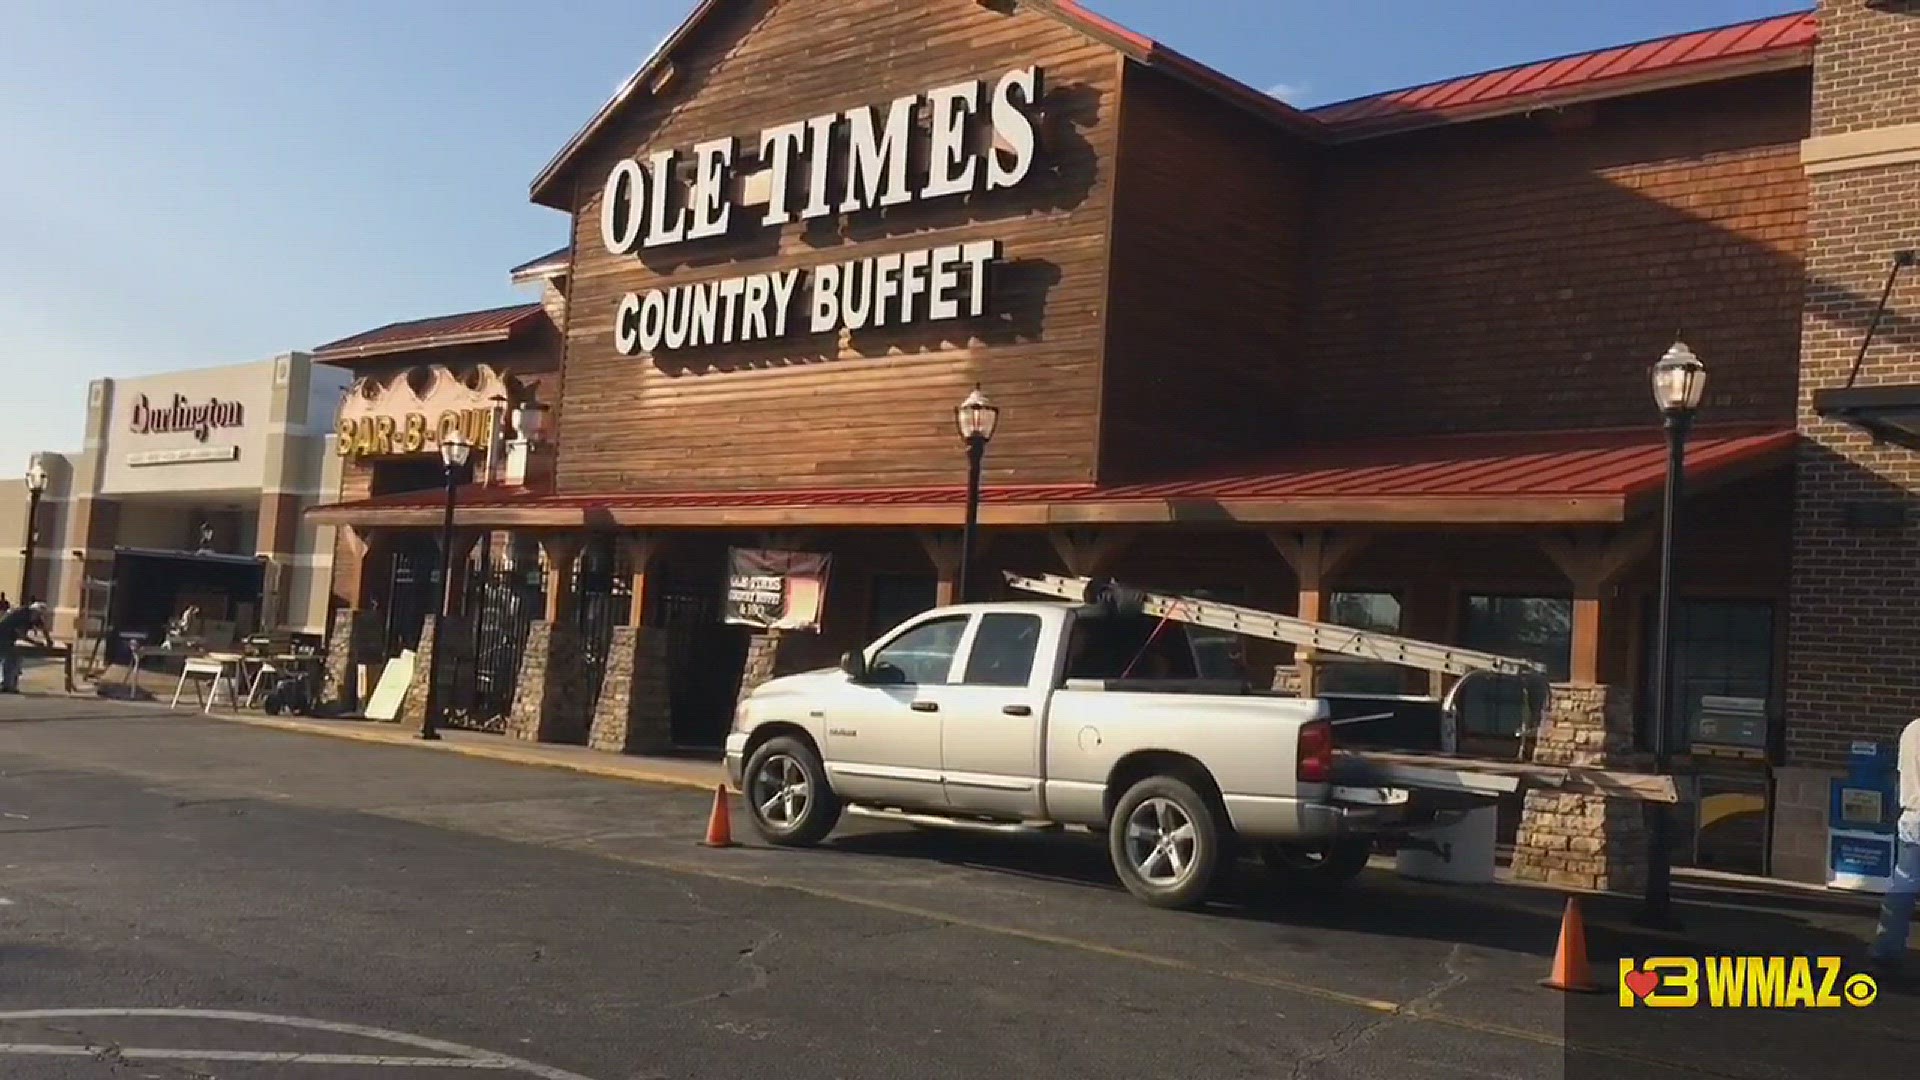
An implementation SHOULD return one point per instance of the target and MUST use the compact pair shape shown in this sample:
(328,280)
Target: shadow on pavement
(1498,916)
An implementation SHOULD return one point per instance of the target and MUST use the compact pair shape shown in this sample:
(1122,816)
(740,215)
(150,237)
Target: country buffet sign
(978,136)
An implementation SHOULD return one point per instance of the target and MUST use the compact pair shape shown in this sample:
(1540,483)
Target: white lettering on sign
(959,139)
(934,285)
(200,419)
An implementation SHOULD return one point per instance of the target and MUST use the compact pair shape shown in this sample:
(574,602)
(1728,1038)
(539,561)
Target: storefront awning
(1534,478)
(1888,413)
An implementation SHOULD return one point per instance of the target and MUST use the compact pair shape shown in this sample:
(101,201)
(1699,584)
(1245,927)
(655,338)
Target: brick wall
(1523,273)
(1854,636)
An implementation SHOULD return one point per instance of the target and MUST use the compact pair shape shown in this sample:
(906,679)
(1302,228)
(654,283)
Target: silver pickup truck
(1037,716)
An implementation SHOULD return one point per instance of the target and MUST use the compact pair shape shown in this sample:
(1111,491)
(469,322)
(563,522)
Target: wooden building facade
(1383,363)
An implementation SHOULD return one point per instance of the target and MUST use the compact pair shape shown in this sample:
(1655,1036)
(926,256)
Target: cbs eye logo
(1860,990)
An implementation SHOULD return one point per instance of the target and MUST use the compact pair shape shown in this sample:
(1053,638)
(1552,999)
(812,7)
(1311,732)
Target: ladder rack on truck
(1252,622)
(1447,770)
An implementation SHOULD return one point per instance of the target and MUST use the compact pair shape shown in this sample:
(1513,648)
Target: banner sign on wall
(776,590)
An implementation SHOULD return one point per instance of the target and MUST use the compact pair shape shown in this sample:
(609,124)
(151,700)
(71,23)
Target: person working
(14,625)
(1896,908)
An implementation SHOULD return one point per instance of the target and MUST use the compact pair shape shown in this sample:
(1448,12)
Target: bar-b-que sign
(977,138)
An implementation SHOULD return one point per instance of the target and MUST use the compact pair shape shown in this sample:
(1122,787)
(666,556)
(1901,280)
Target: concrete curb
(609,771)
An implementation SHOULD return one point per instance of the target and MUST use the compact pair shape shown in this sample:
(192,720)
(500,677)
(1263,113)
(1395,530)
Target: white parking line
(144,1053)
(461,1056)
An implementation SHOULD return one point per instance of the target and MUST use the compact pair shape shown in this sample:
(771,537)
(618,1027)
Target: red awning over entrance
(1513,478)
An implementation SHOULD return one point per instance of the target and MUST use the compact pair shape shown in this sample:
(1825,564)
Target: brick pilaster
(345,638)
(1583,841)
(550,702)
(632,714)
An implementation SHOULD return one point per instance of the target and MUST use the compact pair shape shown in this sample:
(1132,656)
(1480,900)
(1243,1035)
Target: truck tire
(787,794)
(1166,843)
(1329,866)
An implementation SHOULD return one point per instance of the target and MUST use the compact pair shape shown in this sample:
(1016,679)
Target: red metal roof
(1715,53)
(466,328)
(1533,465)
(552,260)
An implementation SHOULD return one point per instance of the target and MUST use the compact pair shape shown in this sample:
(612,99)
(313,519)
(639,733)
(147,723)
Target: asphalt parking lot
(313,907)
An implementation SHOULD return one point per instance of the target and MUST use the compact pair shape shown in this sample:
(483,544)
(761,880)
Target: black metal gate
(602,600)
(705,659)
(502,605)
(410,588)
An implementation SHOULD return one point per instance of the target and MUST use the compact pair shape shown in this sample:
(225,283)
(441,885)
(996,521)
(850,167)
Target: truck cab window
(1003,650)
(923,656)
(1132,647)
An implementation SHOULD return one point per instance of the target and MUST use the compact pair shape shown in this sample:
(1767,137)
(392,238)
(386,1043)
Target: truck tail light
(1314,755)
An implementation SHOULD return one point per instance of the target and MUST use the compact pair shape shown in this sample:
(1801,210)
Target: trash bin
(1469,843)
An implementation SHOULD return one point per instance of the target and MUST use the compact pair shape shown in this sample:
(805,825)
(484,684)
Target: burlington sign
(977,137)
(198,418)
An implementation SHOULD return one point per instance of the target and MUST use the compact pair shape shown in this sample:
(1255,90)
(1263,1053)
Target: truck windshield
(1144,647)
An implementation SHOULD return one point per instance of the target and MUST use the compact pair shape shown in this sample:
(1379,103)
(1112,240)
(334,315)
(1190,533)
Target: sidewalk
(685,771)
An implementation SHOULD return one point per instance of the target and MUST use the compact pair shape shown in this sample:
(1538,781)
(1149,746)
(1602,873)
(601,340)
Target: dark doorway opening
(705,656)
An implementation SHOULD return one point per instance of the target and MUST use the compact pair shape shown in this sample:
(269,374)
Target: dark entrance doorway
(152,588)
(411,571)
(705,656)
(602,600)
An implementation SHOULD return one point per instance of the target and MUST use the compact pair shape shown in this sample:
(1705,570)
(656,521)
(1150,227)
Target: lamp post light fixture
(455,449)
(977,418)
(36,487)
(1679,383)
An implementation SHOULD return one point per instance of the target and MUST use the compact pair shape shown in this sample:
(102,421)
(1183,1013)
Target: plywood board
(385,702)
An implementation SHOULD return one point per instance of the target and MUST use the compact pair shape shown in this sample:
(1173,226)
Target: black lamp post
(976,418)
(455,448)
(1679,382)
(36,487)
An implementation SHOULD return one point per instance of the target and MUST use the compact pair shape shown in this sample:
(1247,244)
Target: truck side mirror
(854,663)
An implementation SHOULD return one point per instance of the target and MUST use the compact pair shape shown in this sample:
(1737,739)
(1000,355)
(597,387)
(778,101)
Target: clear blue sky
(194,182)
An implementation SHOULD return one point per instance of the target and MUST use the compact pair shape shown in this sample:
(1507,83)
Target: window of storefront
(1721,648)
(897,597)
(1375,611)
(1536,628)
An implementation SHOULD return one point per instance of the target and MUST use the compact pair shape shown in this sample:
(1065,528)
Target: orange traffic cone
(720,822)
(1570,970)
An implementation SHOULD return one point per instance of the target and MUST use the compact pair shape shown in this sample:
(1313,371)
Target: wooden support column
(350,545)
(464,541)
(562,551)
(1594,562)
(639,550)
(943,551)
(1316,558)
(1087,552)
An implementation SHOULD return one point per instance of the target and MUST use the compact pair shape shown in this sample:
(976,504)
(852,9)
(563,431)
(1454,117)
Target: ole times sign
(977,135)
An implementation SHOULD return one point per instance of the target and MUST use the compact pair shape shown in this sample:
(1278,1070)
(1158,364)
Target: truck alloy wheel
(1165,843)
(787,794)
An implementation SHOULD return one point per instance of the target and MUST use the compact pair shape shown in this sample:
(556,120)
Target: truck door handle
(926,706)
(1017,710)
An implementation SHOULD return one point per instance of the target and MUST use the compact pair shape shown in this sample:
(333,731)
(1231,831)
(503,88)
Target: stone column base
(344,639)
(452,648)
(632,714)
(763,662)
(1799,834)
(550,704)
(1583,841)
